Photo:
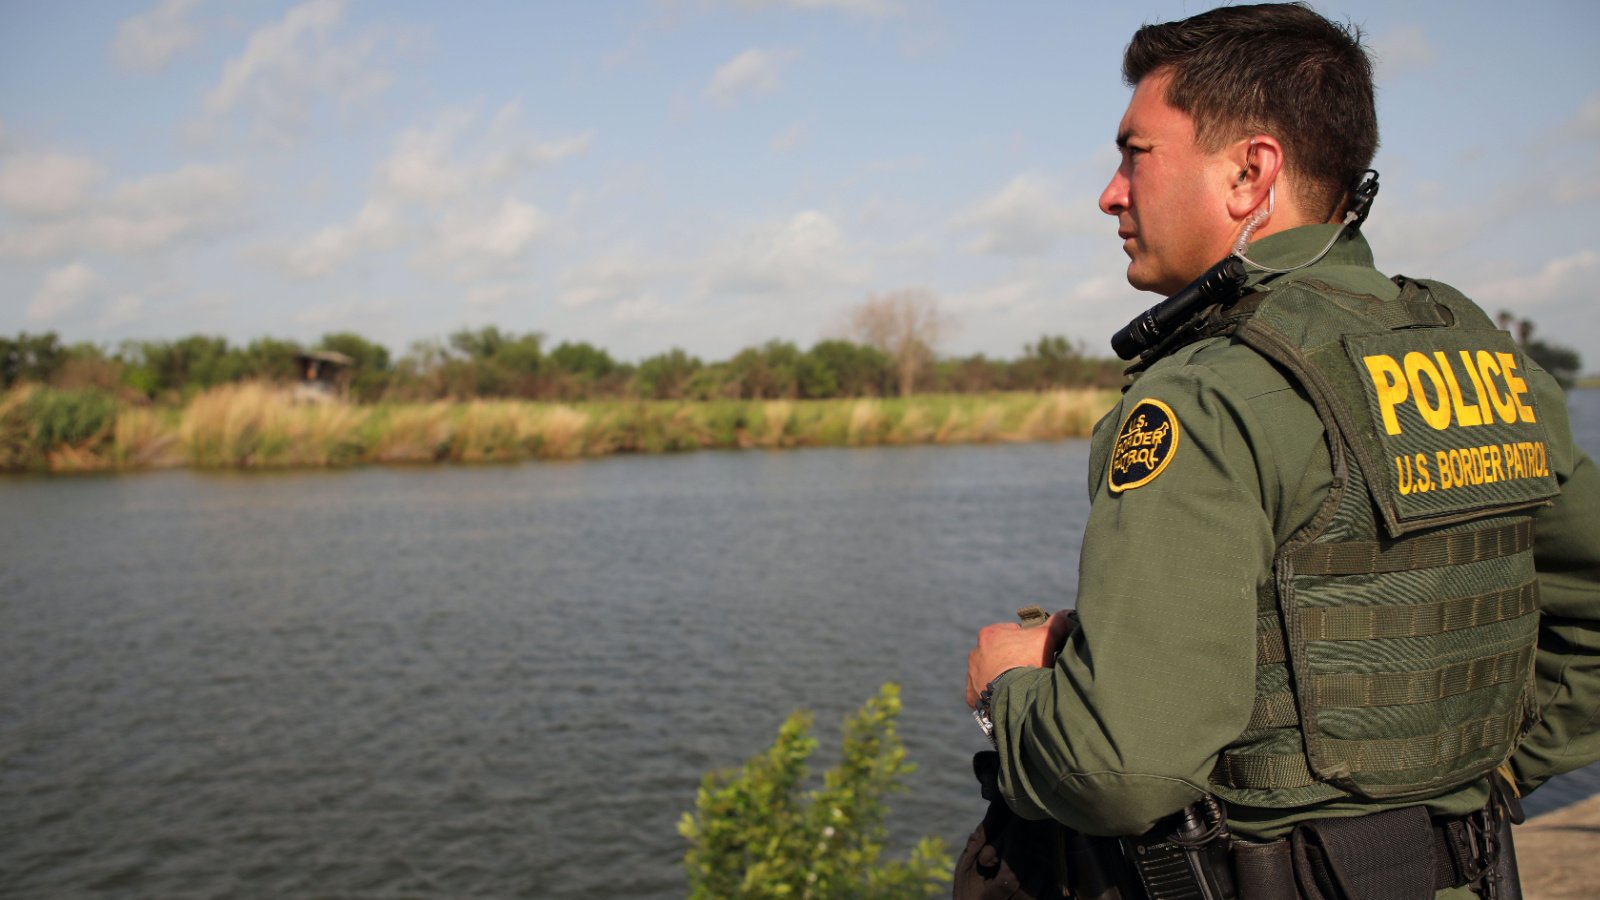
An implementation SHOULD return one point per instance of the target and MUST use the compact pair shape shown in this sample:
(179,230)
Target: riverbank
(248,426)
(1556,852)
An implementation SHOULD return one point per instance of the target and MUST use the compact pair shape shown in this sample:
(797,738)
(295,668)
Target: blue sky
(705,174)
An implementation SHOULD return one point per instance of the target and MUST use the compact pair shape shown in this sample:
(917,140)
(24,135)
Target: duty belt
(1382,856)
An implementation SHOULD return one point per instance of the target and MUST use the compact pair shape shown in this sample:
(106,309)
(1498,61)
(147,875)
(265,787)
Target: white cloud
(807,251)
(121,310)
(993,299)
(452,187)
(1025,218)
(425,166)
(1586,124)
(47,184)
(290,64)
(272,51)
(1403,50)
(377,226)
(649,311)
(143,216)
(63,290)
(148,41)
(1562,281)
(789,138)
(751,72)
(616,276)
(495,294)
(475,243)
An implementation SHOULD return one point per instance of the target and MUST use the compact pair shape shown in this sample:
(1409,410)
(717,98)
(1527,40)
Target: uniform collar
(1298,245)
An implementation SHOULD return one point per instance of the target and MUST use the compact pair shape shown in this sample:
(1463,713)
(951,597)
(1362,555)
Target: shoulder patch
(1146,443)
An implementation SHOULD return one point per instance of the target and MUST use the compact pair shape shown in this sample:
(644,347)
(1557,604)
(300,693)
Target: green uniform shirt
(1160,676)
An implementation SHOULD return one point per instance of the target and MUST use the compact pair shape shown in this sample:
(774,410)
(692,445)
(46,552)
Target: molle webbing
(1355,691)
(1398,688)
(1372,557)
(1402,688)
(1421,620)
(1392,755)
(1353,623)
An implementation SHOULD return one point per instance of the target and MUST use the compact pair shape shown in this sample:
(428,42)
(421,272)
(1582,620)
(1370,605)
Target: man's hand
(1007,645)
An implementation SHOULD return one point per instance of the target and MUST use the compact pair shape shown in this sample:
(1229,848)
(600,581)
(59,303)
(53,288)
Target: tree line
(889,349)
(488,362)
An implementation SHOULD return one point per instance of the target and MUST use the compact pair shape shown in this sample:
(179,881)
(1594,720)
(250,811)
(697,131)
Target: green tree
(768,372)
(665,376)
(30,357)
(181,367)
(583,359)
(369,355)
(500,363)
(370,373)
(271,359)
(755,834)
(582,370)
(856,370)
(1051,362)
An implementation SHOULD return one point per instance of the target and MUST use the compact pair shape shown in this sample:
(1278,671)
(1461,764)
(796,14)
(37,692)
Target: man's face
(1168,194)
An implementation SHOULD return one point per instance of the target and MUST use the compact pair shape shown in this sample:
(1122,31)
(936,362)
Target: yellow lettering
(1403,479)
(1424,479)
(1515,384)
(1493,453)
(1389,382)
(1513,461)
(1505,409)
(1485,414)
(1466,415)
(1437,417)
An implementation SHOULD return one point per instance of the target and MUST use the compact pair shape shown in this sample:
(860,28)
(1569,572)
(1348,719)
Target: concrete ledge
(1558,853)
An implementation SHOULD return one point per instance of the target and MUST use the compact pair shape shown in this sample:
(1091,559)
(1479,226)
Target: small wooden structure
(324,376)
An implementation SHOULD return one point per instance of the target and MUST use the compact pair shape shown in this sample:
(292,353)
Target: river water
(491,681)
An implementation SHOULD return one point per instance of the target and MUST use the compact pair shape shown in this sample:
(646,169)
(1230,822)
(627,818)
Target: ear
(1259,162)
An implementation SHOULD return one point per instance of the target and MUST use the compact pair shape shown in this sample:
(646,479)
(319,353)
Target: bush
(754,834)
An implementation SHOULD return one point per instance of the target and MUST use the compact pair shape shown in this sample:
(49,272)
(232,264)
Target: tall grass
(259,426)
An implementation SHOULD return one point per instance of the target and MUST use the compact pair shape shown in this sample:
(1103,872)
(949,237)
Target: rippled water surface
(494,681)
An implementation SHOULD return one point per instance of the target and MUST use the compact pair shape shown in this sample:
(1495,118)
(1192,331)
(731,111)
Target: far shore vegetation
(258,425)
(486,395)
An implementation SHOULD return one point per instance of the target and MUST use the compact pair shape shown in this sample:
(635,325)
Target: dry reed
(257,425)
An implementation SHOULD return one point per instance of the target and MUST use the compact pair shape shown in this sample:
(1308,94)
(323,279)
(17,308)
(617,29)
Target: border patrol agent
(1339,598)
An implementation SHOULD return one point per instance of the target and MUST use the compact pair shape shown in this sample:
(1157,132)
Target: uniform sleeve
(1159,676)
(1567,556)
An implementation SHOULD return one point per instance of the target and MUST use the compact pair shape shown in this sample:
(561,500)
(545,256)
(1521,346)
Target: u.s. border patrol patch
(1147,442)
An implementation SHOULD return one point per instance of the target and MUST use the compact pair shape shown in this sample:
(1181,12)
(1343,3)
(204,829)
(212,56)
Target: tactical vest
(1395,644)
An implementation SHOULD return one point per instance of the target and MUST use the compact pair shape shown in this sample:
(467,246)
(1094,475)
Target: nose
(1114,199)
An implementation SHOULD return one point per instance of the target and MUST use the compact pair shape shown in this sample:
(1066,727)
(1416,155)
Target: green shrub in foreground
(37,420)
(754,834)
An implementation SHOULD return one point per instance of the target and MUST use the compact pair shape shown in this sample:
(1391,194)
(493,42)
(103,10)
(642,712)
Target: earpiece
(1255,220)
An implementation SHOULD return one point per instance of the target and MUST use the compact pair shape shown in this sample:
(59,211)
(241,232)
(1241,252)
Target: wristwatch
(981,713)
(1032,616)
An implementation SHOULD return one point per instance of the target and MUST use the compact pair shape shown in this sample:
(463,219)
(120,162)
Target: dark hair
(1278,69)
